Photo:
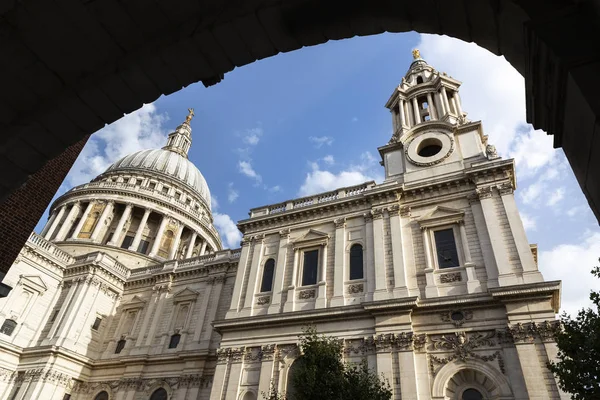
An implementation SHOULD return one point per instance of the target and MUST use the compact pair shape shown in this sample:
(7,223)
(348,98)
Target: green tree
(578,364)
(321,374)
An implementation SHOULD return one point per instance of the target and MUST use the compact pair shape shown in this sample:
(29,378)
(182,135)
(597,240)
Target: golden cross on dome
(190,116)
(416,54)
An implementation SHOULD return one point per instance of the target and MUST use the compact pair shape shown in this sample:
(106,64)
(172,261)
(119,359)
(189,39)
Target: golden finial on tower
(416,54)
(190,116)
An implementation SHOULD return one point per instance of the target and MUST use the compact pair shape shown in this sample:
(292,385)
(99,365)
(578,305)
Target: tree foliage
(578,365)
(321,374)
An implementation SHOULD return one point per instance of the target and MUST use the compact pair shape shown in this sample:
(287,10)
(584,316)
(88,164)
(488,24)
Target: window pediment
(311,238)
(441,215)
(135,302)
(186,294)
(34,282)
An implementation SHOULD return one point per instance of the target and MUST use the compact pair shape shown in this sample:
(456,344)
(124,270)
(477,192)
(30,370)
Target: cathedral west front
(128,294)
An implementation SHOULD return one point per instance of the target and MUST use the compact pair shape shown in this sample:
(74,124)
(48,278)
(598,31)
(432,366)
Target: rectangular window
(177,195)
(310,267)
(127,242)
(97,323)
(139,182)
(143,247)
(165,189)
(152,185)
(445,247)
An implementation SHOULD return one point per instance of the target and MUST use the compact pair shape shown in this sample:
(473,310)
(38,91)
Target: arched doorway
(103,395)
(291,389)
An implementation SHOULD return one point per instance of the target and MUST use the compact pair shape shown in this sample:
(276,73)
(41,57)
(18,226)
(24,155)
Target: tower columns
(431,108)
(140,230)
(159,234)
(64,229)
(203,248)
(190,248)
(82,220)
(402,116)
(445,100)
(48,224)
(116,238)
(176,241)
(55,222)
(416,110)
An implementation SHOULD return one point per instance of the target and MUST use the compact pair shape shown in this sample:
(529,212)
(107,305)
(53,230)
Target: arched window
(174,341)
(103,395)
(120,346)
(356,262)
(8,327)
(159,394)
(291,390)
(267,278)
(419,79)
(249,396)
(472,394)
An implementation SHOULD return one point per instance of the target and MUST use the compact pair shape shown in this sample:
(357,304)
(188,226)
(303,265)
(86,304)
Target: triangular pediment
(311,237)
(441,215)
(185,294)
(135,302)
(35,282)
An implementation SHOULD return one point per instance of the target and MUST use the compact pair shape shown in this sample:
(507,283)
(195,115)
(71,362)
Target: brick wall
(20,212)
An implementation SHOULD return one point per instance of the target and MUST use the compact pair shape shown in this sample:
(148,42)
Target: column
(379,256)
(291,290)
(219,386)
(55,223)
(176,241)
(473,284)
(416,110)
(530,271)
(64,229)
(82,220)
(409,252)
(370,258)
(160,302)
(458,105)
(149,309)
(202,311)
(159,234)
(339,275)
(384,366)
(71,317)
(116,237)
(506,275)
(253,278)
(400,278)
(190,249)
(484,242)
(440,107)
(275,307)
(218,282)
(266,368)
(402,117)
(408,376)
(431,108)
(140,230)
(445,100)
(203,247)
(49,223)
(236,297)
(431,289)
(100,224)
(321,300)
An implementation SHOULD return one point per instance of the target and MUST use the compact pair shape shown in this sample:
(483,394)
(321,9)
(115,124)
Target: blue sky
(311,120)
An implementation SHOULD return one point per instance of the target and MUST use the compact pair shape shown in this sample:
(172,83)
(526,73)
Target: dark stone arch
(67,71)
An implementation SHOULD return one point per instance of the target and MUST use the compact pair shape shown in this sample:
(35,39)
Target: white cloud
(328,159)
(274,189)
(245,167)
(529,223)
(532,150)
(572,263)
(321,140)
(229,232)
(232,194)
(252,136)
(557,195)
(141,129)
(318,181)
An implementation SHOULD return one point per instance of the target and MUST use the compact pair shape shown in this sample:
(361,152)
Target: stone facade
(127,293)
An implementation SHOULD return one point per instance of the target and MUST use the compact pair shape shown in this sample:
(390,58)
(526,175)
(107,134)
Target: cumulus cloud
(232,194)
(529,223)
(577,260)
(230,235)
(319,141)
(141,129)
(317,180)
(328,159)
(556,196)
(252,136)
(245,167)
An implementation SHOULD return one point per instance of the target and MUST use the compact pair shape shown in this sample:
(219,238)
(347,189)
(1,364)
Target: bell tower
(431,133)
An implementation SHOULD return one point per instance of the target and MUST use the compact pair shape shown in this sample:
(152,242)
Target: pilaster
(339,263)
(379,256)
(64,229)
(253,278)
(400,276)
(275,306)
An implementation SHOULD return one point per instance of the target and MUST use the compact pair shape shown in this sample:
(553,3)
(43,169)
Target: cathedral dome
(168,164)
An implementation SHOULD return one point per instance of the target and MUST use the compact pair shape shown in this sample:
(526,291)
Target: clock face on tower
(429,148)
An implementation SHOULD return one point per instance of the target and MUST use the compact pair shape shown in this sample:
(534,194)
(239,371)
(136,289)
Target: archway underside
(70,67)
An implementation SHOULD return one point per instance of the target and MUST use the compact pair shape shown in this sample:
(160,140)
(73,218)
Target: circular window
(429,147)
(472,394)
(457,316)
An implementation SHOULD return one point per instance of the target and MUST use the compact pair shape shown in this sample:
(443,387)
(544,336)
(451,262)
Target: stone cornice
(530,290)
